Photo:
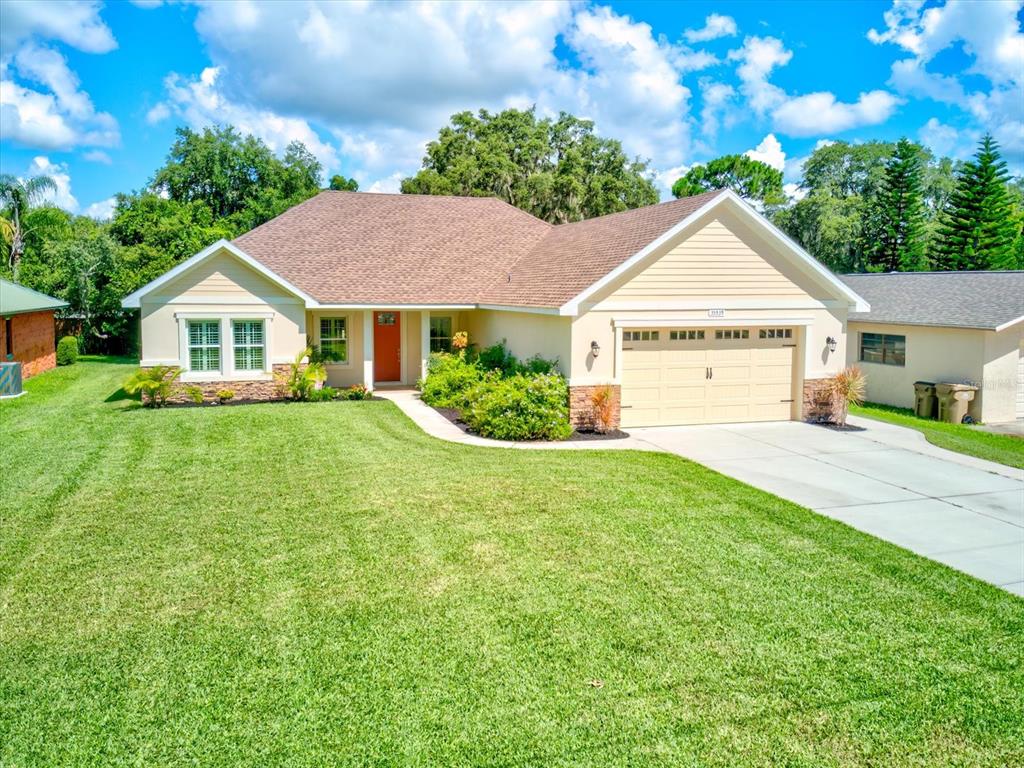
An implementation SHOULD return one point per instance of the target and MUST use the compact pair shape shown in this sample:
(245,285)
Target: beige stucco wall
(526,334)
(944,354)
(220,287)
(1000,379)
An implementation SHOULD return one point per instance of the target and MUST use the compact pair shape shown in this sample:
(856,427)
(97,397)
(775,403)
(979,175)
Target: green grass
(1004,449)
(323,584)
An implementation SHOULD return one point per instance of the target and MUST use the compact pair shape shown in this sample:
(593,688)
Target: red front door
(387,346)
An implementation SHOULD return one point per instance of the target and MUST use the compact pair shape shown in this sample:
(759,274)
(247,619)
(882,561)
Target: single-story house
(954,327)
(693,311)
(27,327)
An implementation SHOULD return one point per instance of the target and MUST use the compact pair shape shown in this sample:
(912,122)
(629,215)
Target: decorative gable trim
(133,300)
(797,255)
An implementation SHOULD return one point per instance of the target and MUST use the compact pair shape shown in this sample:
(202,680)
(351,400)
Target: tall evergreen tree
(978,230)
(898,213)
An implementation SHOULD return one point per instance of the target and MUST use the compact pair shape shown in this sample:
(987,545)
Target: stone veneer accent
(244,390)
(817,403)
(581,409)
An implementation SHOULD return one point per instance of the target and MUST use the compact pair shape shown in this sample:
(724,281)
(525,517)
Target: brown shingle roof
(352,247)
(572,257)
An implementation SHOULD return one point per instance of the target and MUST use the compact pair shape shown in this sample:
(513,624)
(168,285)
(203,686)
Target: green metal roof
(17,299)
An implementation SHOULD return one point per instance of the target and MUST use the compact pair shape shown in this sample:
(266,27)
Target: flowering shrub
(355,392)
(448,379)
(520,407)
(460,340)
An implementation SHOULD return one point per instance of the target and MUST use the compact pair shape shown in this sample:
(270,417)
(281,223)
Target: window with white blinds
(248,344)
(204,345)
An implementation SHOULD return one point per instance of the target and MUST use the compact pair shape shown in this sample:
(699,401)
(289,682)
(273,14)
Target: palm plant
(303,377)
(156,384)
(17,197)
(846,387)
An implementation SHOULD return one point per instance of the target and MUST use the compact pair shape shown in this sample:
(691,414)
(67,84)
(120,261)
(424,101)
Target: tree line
(874,206)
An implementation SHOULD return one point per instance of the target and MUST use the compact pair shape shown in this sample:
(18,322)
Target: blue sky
(90,93)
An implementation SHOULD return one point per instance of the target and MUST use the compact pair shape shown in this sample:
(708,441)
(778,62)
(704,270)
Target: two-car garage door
(711,376)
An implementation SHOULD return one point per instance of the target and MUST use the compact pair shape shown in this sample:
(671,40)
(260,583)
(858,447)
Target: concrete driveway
(885,480)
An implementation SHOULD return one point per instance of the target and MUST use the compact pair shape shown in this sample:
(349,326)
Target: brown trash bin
(925,403)
(954,400)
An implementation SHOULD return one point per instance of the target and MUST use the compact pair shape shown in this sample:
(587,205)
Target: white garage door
(708,376)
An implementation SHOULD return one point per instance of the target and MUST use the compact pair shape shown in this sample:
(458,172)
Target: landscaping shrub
(846,388)
(602,401)
(224,395)
(155,385)
(520,407)
(195,394)
(355,392)
(67,351)
(302,378)
(498,358)
(448,379)
(322,395)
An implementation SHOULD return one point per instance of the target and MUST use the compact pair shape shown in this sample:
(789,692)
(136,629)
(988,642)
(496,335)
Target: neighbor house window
(204,345)
(883,348)
(733,333)
(440,334)
(686,335)
(775,333)
(334,339)
(248,344)
(640,335)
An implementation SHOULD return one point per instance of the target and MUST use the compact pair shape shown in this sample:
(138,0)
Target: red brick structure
(27,328)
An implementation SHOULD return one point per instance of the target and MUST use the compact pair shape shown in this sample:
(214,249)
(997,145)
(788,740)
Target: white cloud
(286,68)
(816,113)
(158,113)
(103,210)
(59,115)
(715,26)
(76,23)
(390,184)
(758,57)
(717,107)
(62,198)
(801,115)
(939,138)
(200,103)
(97,156)
(769,151)
(989,33)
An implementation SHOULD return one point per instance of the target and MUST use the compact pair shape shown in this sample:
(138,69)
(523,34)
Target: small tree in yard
(303,377)
(845,388)
(67,351)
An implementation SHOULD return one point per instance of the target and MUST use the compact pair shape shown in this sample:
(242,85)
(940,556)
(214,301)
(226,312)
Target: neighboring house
(27,328)
(943,327)
(693,311)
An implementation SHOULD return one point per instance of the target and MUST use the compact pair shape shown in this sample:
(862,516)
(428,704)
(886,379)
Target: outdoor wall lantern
(595,348)
(831,342)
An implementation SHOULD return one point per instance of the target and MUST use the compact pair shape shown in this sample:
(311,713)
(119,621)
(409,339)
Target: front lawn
(1004,449)
(323,584)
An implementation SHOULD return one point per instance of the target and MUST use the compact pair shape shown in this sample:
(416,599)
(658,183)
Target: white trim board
(133,300)
(799,256)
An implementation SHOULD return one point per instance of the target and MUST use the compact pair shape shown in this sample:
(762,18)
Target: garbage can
(954,400)
(924,399)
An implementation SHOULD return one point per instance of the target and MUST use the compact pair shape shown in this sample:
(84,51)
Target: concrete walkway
(885,480)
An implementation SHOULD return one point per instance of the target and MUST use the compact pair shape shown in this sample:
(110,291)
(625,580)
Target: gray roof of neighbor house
(986,300)
(354,247)
(17,300)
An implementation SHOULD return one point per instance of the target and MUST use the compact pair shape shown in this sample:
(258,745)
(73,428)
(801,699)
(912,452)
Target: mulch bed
(453,416)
